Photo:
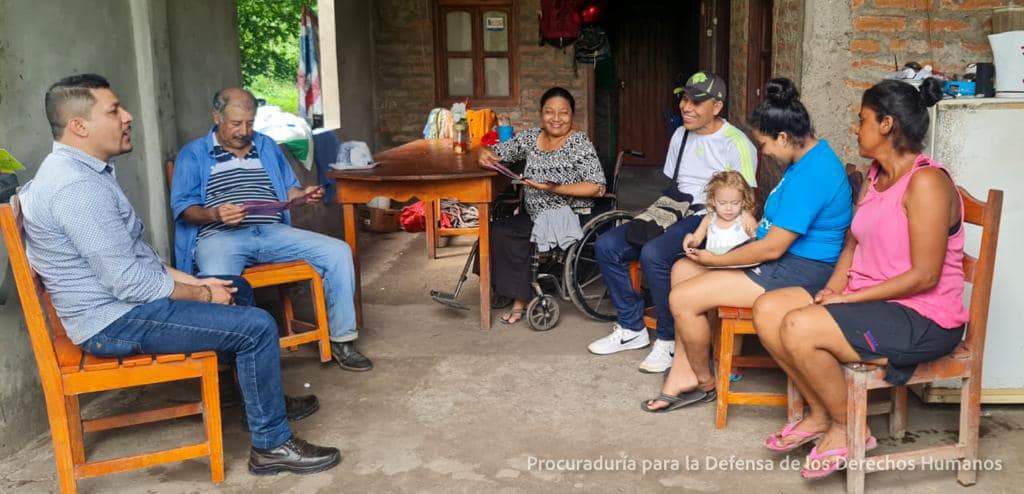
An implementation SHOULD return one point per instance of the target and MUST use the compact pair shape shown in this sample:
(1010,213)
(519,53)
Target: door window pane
(460,31)
(495,31)
(460,77)
(496,77)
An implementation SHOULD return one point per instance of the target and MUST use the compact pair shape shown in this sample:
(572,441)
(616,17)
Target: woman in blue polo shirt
(798,243)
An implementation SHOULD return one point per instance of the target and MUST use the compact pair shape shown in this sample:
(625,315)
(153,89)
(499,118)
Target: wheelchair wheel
(542,313)
(583,279)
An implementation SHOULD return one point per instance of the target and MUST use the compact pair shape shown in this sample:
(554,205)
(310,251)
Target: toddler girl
(729,221)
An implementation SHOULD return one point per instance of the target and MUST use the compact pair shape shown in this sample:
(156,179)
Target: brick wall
(947,34)
(403,43)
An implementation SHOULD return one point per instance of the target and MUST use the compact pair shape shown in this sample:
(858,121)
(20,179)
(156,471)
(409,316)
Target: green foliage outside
(268,32)
(283,94)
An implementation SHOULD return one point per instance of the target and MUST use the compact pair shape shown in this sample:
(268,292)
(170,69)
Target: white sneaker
(660,357)
(621,339)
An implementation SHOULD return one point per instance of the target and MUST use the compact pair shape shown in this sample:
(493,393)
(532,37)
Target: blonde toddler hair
(734,180)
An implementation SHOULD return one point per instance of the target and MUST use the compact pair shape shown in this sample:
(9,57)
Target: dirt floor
(451,408)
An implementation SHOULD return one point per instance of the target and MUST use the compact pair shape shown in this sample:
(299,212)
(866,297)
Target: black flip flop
(521,313)
(682,400)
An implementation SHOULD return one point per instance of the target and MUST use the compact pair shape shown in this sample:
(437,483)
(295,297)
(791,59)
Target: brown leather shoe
(295,456)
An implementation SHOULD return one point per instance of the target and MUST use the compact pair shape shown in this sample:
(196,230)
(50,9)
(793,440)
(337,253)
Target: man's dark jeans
(656,259)
(241,333)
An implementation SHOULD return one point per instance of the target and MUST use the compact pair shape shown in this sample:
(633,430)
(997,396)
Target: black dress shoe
(295,455)
(346,355)
(297,408)
(300,407)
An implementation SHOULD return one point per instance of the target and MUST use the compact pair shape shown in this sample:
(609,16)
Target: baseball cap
(703,86)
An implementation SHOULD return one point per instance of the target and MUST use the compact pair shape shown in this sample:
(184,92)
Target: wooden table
(427,170)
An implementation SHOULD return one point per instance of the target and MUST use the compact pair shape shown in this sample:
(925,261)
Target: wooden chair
(734,323)
(738,321)
(964,364)
(281,274)
(65,372)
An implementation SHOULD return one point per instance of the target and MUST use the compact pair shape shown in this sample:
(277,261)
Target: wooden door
(714,37)
(653,45)
(759,71)
(759,54)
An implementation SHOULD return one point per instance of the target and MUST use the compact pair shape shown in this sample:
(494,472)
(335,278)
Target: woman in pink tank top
(896,296)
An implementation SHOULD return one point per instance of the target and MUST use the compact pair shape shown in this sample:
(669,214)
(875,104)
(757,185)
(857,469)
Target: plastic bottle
(460,141)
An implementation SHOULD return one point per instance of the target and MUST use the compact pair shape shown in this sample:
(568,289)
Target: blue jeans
(656,259)
(245,334)
(231,251)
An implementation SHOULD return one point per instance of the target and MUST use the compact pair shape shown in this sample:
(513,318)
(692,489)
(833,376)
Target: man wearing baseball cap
(712,145)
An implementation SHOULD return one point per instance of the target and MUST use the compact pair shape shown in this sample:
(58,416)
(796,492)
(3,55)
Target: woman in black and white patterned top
(562,170)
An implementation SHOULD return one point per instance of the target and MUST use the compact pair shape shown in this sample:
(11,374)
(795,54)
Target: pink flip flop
(774,441)
(841,455)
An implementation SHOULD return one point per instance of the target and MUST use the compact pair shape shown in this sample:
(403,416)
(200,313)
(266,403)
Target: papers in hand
(723,250)
(502,169)
(270,208)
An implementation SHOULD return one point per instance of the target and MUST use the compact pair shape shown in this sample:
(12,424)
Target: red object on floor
(414,217)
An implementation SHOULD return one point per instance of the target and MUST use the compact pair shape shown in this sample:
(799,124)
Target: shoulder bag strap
(679,158)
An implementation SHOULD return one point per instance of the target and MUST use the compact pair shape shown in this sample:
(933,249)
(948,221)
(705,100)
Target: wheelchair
(571,275)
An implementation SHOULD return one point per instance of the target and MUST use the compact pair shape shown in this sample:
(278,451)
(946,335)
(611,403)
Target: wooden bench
(65,372)
(281,274)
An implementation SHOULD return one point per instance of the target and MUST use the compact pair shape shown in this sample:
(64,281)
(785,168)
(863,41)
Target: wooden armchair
(964,364)
(281,274)
(66,372)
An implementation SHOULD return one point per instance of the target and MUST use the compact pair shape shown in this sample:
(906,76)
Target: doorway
(656,45)
(759,71)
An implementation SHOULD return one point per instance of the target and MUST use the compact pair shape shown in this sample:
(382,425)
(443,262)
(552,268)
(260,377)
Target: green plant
(280,93)
(268,32)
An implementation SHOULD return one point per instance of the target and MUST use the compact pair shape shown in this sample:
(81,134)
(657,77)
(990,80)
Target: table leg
(429,210)
(348,211)
(485,265)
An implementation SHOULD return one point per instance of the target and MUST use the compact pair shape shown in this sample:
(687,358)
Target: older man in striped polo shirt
(214,233)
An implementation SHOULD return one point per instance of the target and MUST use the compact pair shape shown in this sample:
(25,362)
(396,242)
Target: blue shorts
(791,271)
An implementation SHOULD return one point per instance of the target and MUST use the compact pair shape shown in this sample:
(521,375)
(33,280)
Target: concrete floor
(450,408)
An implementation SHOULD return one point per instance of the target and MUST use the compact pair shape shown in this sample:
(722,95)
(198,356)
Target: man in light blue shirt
(116,297)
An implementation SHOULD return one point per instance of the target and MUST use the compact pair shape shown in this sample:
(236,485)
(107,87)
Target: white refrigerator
(981,142)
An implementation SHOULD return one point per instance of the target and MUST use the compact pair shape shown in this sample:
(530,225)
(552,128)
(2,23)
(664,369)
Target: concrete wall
(356,70)
(130,42)
(205,56)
